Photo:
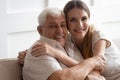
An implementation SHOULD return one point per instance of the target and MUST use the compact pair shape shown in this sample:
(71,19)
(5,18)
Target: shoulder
(99,35)
(40,67)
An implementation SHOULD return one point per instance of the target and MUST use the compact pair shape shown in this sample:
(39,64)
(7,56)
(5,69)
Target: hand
(103,59)
(43,49)
(95,76)
(21,56)
(98,63)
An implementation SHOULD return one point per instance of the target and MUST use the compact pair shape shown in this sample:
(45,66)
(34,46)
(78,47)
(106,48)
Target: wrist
(91,63)
(57,54)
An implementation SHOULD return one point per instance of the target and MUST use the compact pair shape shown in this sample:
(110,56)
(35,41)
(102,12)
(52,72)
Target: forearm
(94,75)
(78,72)
(65,59)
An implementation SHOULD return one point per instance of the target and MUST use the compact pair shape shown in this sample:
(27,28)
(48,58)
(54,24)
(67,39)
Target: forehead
(58,18)
(77,12)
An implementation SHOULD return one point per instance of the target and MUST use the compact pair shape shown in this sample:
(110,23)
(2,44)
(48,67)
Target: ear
(40,29)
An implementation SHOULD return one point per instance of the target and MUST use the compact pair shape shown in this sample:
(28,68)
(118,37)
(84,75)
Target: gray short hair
(48,11)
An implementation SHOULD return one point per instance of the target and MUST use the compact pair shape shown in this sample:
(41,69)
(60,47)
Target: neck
(78,42)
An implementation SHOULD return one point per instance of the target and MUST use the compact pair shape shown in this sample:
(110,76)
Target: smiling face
(78,23)
(55,28)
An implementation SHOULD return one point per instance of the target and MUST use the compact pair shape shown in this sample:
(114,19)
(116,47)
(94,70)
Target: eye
(84,18)
(52,26)
(73,20)
(63,25)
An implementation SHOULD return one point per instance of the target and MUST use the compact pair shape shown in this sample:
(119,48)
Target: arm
(63,58)
(78,72)
(74,70)
(38,50)
(99,48)
(45,49)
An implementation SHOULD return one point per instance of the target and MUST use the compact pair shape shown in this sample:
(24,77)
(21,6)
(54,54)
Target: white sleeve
(39,68)
(98,35)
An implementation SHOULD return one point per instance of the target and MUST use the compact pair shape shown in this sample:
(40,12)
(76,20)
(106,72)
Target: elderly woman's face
(55,28)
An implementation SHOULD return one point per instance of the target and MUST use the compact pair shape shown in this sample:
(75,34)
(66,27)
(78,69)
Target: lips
(79,30)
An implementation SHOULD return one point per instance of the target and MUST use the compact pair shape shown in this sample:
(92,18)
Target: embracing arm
(78,72)
(45,49)
(99,48)
(82,68)
(65,59)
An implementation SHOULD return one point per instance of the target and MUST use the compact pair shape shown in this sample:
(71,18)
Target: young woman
(90,41)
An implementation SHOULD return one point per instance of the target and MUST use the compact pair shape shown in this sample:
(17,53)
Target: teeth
(58,37)
(78,30)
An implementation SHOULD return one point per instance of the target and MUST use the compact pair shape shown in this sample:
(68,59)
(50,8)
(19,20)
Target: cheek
(70,30)
(70,26)
(47,33)
(86,24)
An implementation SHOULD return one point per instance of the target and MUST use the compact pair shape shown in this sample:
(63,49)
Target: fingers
(20,60)
(102,57)
(21,56)
(38,52)
(101,62)
(39,49)
(36,48)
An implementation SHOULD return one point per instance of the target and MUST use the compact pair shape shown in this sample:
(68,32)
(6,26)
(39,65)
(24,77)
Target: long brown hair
(87,44)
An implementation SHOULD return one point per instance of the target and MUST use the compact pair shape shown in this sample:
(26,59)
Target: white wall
(107,13)
(18,22)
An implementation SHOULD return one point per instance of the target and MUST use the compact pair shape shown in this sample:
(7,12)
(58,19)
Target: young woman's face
(78,23)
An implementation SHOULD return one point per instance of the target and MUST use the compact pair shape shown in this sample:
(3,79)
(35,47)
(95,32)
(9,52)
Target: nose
(59,29)
(80,23)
